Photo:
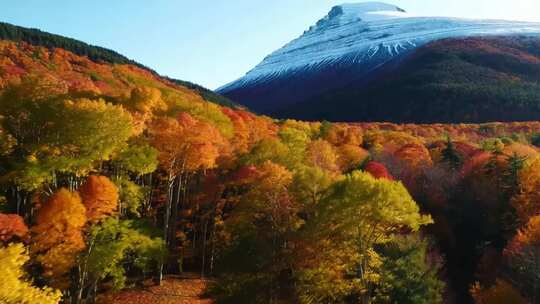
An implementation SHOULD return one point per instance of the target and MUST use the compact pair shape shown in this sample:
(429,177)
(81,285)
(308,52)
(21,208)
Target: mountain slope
(454,80)
(94,53)
(346,49)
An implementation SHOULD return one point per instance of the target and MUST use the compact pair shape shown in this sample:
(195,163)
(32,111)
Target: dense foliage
(110,175)
(14,287)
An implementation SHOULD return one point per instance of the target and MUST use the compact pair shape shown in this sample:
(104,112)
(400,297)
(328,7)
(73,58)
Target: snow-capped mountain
(347,47)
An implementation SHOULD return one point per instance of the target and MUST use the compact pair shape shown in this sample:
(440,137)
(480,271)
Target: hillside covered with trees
(469,80)
(95,53)
(111,175)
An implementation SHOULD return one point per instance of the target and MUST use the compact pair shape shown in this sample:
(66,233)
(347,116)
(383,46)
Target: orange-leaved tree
(501,292)
(12,226)
(100,197)
(523,258)
(57,235)
(186,146)
(527,199)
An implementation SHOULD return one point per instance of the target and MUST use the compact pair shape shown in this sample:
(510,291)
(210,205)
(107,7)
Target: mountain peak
(367,7)
(364,11)
(358,40)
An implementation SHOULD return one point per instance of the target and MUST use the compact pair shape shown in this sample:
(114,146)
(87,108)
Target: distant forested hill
(95,53)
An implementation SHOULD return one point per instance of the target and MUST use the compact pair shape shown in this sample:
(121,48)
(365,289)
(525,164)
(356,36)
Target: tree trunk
(213,248)
(203,266)
(173,220)
(166,217)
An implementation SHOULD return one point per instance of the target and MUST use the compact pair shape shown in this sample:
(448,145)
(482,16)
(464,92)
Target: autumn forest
(113,178)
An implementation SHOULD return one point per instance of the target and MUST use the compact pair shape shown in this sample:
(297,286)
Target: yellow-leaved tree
(359,213)
(14,287)
(320,153)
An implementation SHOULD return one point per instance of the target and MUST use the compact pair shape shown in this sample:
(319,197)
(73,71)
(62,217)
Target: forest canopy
(111,176)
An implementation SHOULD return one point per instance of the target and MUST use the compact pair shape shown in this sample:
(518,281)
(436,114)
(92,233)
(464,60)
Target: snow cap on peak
(365,11)
(369,7)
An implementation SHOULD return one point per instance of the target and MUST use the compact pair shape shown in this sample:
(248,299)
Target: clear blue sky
(212,42)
